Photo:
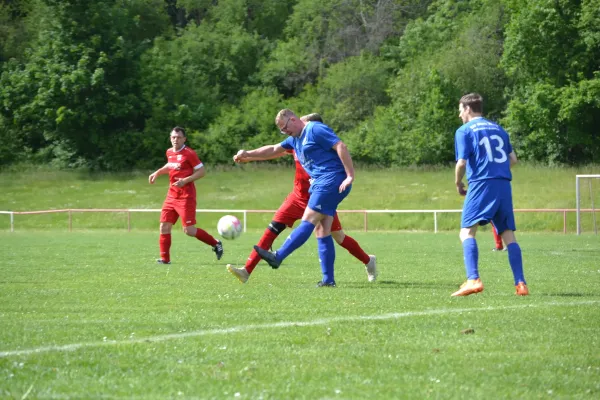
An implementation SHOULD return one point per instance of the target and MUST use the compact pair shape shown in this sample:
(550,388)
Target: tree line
(98,84)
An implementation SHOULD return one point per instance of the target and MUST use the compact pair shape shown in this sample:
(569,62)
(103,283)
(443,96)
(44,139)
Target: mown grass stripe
(317,322)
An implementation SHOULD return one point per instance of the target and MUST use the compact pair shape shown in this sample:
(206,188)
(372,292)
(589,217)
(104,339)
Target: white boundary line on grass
(245,328)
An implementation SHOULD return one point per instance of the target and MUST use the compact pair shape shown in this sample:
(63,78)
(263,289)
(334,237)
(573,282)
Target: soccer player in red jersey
(291,211)
(183,167)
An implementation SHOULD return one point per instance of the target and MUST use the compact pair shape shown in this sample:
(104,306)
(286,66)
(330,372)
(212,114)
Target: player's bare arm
(197,174)
(459,174)
(162,171)
(262,153)
(512,159)
(342,151)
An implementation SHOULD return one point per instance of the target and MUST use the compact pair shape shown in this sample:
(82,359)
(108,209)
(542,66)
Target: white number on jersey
(488,148)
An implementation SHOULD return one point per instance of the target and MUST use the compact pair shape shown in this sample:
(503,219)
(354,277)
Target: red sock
(164,244)
(497,238)
(205,237)
(265,242)
(354,248)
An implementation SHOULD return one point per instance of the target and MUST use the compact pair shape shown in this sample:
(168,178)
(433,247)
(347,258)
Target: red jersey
(182,164)
(301,180)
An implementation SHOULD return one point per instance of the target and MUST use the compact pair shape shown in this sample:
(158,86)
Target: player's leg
(168,217)
(470,251)
(478,198)
(297,238)
(473,283)
(326,251)
(327,203)
(505,223)
(265,242)
(346,241)
(290,211)
(515,257)
(497,239)
(164,243)
(187,210)
(354,248)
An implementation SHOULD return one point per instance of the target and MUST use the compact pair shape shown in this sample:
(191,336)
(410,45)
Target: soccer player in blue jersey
(326,159)
(484,152)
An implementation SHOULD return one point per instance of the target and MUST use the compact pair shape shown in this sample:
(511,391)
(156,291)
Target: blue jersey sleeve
(462,144)
(288,143)
(324,136)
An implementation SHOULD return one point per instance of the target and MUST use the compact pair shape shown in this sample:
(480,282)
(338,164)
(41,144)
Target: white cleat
(239,273)
(371,268)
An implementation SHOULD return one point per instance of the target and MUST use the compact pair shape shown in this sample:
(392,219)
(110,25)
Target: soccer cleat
(371,268)
(522,289)
(161,261)
(497,249)
(239,273)
(469,287)
(326,284)
(218,249)
(269,257)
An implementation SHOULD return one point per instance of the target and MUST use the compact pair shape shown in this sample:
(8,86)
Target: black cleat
(218,249)
(269,257)
(326,284)
(161,261)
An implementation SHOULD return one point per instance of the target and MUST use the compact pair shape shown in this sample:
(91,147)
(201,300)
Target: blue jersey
(485,146)
(314,149)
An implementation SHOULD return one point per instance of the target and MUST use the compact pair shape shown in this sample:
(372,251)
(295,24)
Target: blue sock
(471,254)
(326,257)
(296,239)
(516,262)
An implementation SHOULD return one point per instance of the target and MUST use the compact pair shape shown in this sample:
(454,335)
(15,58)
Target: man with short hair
(484,152)
(184,167)
(326,159)
(291,211)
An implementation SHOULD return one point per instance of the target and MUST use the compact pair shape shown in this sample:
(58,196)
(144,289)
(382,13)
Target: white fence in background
(245,213)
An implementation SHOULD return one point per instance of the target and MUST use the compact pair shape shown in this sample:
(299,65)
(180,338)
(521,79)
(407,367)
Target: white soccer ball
(229,227)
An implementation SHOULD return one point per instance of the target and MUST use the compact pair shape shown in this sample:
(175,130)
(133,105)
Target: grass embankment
(265,186)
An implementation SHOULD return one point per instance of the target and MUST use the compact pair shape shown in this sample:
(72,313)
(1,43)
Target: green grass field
(89,314)
(264,186)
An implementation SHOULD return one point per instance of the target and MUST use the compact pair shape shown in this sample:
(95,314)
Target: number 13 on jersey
(497,154)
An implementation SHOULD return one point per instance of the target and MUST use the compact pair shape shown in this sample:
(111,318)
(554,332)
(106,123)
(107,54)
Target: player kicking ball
(291,211)
(326,159)
(484,152)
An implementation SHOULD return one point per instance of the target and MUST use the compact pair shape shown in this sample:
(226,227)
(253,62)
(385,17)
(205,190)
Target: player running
(183,167)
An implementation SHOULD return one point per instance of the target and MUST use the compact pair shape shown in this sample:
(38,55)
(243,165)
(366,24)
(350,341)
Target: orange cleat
(469,287)
(522,289)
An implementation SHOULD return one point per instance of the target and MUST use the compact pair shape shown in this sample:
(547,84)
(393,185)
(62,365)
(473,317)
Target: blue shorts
(327,203)
(489,200)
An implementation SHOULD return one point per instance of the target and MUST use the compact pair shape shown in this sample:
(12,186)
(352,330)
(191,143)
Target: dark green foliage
(100,84)
(460,54)
(76,97)
(351,91)
(250,125)
(551,54)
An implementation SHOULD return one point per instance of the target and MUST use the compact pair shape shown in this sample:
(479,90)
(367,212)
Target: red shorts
(292,210)
(172,209)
